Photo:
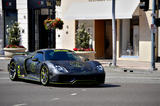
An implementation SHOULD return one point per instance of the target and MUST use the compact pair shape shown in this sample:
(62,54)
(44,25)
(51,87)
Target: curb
(128,70)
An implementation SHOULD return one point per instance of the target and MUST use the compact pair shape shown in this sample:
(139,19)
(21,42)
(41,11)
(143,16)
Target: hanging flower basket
(51,24)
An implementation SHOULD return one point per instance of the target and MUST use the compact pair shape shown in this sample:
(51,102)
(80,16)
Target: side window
(39,55)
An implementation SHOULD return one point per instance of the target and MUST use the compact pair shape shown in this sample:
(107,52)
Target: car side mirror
(35,59)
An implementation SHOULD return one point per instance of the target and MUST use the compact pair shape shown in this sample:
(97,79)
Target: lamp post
(114,34)
(153,37)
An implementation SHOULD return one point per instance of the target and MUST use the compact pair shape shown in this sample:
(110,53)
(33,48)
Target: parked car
(57,66)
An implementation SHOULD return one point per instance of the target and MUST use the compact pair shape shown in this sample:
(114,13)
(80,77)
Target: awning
(101,10)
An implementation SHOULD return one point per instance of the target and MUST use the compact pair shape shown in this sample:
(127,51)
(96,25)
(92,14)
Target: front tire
(44,77)
(13,71)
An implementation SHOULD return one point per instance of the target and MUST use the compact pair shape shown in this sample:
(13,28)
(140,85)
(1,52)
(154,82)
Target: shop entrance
(108,39)
(43,33)
(39,37)
(103,39)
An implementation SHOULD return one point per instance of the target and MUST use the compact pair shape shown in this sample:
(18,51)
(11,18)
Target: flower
(75,49)
(53,24)
(14,46)
(83,49)
(48,23)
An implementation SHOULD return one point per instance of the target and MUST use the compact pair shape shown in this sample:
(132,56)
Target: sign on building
(36,4)
(9,4)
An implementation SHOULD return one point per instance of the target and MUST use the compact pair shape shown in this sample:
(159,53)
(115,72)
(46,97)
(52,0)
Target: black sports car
(57,66)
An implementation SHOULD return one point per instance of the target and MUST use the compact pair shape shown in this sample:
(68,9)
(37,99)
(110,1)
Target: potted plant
(14,37)
(82,43)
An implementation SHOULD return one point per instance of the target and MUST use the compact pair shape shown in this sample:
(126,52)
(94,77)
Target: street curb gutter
(128,70)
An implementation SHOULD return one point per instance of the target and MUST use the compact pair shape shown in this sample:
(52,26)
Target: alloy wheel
(44,75)
(12,71)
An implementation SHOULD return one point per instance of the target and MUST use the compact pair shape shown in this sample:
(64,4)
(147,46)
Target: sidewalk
(4,63)
(129,66)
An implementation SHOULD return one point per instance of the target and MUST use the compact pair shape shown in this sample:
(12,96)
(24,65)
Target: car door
(34,63)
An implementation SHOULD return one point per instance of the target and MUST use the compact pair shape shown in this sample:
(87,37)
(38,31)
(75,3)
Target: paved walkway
(4,63)
(130,65)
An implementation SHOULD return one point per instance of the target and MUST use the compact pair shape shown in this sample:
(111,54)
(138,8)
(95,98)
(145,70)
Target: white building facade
(22,18)
(133,27)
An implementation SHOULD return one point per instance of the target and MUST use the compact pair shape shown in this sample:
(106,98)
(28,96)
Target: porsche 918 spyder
(57,66)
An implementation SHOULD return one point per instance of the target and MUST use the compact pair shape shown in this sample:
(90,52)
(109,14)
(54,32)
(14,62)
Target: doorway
(39,37)
(43,33)
(47,38)
(103,39)
(108,40)
(99,38)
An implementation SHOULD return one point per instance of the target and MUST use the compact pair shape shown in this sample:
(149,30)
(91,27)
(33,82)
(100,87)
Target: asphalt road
(113,93)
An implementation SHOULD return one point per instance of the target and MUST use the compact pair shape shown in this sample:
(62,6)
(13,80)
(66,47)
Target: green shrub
(82,37)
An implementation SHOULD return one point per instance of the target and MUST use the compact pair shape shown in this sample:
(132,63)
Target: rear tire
(44,76)
(13,71)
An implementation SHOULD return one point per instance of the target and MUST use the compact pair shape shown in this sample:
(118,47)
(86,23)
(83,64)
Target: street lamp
(153,37)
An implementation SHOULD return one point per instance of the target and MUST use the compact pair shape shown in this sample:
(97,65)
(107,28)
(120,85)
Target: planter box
(87,54)
(10,52)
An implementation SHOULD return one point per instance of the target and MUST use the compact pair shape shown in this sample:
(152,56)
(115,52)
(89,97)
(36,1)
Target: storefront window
(87,25)
(129,40)
(10,17)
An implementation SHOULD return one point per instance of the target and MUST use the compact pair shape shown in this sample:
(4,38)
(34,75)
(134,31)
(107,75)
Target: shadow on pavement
(29,81)
(86,86)
(110,85)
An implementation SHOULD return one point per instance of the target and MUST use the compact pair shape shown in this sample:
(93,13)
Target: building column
(1,28)
(59,33)
(159,34)
(22,10)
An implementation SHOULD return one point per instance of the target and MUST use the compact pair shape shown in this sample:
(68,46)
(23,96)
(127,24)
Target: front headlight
(100,68)
(61,69)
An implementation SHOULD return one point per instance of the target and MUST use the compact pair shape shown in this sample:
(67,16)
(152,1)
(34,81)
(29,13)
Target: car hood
(74,66)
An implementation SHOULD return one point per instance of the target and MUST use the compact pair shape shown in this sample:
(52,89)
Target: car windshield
(60,55)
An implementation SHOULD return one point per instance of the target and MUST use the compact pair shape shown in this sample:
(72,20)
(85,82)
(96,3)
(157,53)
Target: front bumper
(78,79)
